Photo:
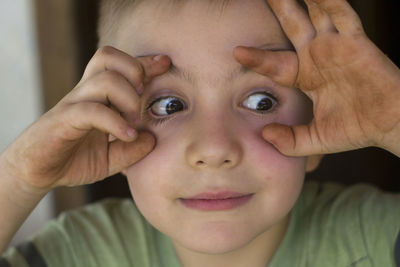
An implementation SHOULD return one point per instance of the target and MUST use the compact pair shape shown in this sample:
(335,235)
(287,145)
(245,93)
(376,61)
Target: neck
(257,253)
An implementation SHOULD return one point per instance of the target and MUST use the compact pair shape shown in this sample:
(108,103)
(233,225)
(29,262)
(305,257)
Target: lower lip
(216,204)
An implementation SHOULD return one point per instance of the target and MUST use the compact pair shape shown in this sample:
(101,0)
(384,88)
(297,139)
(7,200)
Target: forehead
(197,33)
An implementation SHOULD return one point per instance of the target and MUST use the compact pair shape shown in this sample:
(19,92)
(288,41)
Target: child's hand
(355,88)
(70,145)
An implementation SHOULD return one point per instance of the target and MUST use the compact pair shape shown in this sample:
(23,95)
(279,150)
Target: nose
(213,146)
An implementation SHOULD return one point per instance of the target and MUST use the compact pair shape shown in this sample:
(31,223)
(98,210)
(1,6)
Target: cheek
(279,179)
(151,180)
(296,110)
(153,185)
(263,155)
(155,180)
(279,176)
(153,173)
(269,161)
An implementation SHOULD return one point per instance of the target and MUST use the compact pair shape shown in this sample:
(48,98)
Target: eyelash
(155,121)
(151,119)
(270,94)
(161,121)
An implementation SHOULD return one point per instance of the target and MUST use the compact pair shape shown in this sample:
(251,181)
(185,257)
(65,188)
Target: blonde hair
(110,14)
(112,11)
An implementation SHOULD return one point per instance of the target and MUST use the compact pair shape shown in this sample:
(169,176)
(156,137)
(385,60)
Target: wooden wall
(60,67)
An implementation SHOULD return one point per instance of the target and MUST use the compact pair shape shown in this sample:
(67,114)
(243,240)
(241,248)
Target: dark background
(372,165)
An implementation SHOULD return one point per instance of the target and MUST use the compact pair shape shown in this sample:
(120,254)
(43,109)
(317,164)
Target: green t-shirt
(331,225)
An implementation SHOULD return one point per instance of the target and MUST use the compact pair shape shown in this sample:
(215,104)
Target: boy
(218,193)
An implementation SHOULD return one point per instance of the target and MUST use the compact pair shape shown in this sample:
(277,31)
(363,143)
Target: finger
(111,138)
(84,117)
(344,18)
(136,70)
(111,89)
(294,21)
(154,66)
(292,140)
(280,66)
(122,154)
(319,18)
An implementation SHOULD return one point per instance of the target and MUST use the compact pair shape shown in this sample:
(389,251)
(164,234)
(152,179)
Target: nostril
(200,162)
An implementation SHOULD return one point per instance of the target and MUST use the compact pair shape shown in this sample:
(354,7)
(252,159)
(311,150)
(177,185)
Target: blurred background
(45,46)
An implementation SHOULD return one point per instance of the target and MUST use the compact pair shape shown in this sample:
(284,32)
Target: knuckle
(339,13)
(111,77)
(95,108)
(109,80)
(85,109)
(99,58)
(358,29)
(138,71)
(132,106)
(334,9)
(105,51)
(75,114)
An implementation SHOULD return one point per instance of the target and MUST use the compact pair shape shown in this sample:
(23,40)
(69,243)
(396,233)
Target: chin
(218,239)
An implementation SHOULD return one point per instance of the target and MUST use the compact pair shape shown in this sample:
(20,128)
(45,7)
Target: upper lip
(218,195)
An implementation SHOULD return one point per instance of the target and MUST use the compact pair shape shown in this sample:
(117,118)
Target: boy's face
(211,141)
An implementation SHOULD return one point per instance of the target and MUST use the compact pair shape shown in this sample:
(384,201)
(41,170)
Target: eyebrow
(191,78)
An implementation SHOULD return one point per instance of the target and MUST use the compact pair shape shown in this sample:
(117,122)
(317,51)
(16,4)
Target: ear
(313,162)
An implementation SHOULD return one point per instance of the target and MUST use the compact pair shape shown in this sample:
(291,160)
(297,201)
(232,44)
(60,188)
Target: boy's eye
(166,106)
(262,102)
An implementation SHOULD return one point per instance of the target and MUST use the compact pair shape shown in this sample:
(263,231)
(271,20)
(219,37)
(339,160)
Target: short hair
(112,11)
(110,14)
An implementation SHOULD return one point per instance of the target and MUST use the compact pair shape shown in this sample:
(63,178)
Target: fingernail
(131,133)
(157,58)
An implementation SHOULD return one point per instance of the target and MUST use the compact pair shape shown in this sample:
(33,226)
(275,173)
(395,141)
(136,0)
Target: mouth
(216,201)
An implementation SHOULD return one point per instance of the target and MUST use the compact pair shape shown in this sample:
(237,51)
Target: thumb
(280,66)
(122,154)
(294,141)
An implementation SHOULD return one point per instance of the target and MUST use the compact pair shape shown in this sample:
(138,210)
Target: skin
(82,122)
(69,145)
(215,144)
(355,93)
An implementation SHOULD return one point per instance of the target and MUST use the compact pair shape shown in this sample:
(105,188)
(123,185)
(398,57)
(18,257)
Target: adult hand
(354,87)
(70,145)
